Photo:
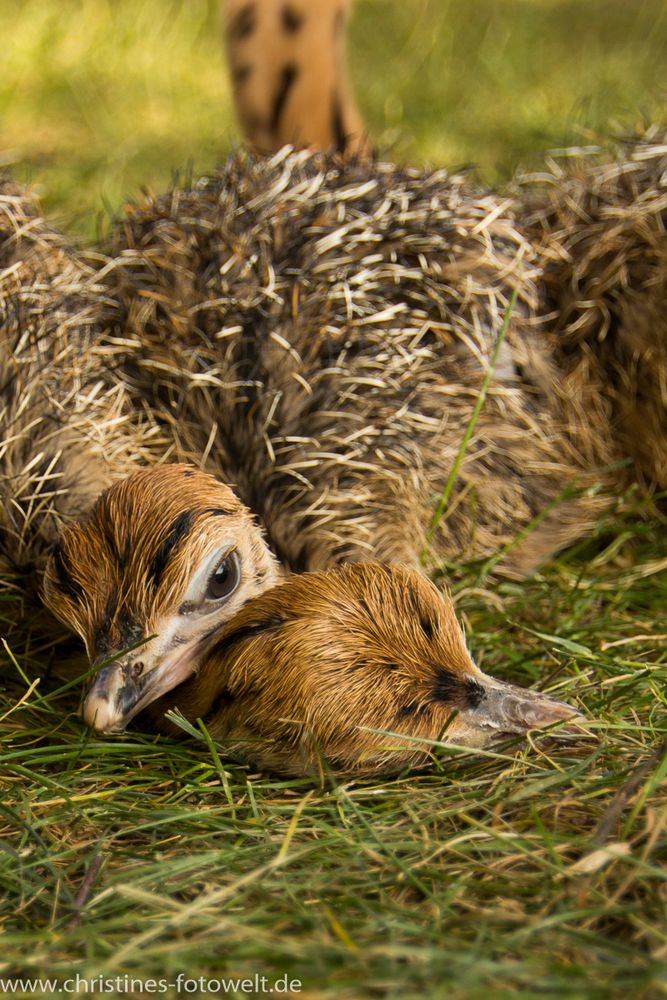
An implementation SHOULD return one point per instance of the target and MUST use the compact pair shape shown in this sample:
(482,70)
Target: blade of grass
(484,388)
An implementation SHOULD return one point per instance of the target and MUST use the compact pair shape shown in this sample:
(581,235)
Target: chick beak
(506,710)
(122,689)
(113,696)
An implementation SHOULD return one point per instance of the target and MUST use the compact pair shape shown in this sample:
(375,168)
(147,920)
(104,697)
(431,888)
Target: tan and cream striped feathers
(67,425)
(321,334)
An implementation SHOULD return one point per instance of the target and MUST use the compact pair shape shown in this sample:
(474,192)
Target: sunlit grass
(541,870)
(497,82)
(99,98)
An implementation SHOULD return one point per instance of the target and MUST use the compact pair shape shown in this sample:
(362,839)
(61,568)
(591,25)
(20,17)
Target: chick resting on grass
(321,337)
(292,682)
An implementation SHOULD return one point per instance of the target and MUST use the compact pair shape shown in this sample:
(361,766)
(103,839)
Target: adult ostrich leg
(288,71)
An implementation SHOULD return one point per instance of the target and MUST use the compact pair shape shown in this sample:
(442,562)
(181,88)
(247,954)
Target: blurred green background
(99,98)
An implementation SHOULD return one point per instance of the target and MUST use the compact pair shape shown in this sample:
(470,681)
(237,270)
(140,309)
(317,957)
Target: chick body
(317,336)
(321,333)
(598,221)
(67,425)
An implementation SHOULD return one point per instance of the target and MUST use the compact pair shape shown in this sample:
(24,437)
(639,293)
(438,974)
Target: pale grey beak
(113,696)
(506,709)
(122,689)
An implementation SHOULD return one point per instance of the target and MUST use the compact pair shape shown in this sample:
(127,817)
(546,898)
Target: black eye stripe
(270,624)
(460,692)
(179,530)
(67,584)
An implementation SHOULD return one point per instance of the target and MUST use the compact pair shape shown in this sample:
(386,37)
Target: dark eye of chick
(225,578)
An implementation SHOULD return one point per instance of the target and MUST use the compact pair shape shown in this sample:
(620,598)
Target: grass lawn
(101,97)
(537,870)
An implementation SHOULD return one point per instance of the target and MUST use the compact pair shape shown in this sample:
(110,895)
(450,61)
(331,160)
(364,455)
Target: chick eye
(225,578)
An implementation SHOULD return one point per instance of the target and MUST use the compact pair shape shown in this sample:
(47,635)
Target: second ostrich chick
(319,668)
(358,669)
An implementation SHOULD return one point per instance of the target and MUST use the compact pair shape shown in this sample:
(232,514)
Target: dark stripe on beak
(179,530)
(102,637)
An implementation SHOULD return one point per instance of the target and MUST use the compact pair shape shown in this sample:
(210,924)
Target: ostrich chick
(163,559)
(308,671)
(357,668)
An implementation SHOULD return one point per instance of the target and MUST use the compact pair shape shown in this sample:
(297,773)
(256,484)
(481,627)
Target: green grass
(539,868)
(99,98)
(539,871)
